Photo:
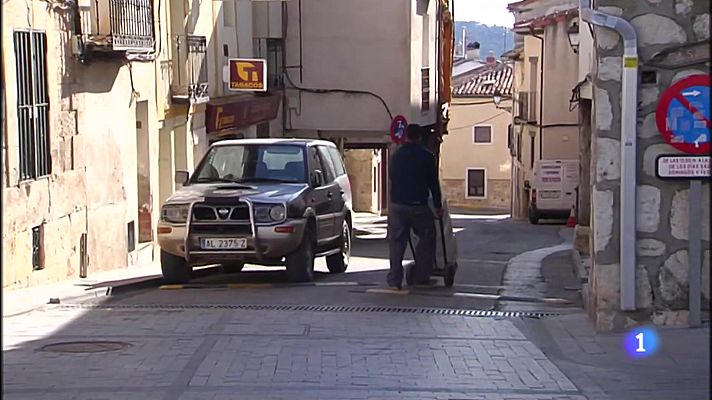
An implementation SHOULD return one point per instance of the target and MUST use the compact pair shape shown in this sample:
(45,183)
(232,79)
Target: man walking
(414,175)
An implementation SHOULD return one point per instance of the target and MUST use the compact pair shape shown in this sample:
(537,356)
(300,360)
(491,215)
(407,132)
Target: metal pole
(695,227)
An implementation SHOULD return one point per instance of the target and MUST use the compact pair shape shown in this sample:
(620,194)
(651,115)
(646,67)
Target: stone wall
(498,194)
(662,222)
(359,167)
(92,188)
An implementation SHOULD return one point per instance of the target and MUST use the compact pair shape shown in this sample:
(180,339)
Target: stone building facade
(475,170)
(74,129)
(662,274)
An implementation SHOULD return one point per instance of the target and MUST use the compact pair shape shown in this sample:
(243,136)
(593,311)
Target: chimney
(491,59)
(464,42)
(473,51)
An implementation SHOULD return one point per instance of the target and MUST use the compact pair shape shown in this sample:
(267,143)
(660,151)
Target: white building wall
(367,45)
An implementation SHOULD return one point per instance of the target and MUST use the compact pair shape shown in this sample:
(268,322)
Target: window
(37,248)
(482,134)
(476,182)
(328,167)
(244,163)
(32,104)
(271,50)
(425,89)
(532,147)
(338,162)
(519,146)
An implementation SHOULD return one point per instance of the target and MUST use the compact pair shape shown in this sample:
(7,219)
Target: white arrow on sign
(693,93)
(701,138)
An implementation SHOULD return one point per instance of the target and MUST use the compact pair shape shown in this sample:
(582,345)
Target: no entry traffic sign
(398,127)
(683,115)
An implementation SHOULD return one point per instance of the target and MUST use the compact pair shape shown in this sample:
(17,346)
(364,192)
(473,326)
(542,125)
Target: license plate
(224,244)
(549,194)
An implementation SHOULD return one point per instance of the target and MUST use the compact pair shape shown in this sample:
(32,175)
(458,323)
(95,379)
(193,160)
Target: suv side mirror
(182,177)
(318,178)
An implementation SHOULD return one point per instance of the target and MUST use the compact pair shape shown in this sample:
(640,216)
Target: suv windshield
(252,163)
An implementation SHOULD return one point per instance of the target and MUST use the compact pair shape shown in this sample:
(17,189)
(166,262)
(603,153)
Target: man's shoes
(395,287)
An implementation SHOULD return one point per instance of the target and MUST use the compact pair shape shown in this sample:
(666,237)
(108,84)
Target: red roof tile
(484,81)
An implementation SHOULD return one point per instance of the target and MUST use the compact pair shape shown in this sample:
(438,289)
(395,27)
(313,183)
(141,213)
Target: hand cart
(445,250)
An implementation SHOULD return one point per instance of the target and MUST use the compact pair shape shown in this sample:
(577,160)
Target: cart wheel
(450,275)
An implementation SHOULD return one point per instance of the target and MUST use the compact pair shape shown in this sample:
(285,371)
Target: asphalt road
(485,244)
(212,342)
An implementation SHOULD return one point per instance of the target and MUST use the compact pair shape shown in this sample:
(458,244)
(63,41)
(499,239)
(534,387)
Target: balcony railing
(523,107)
(118,25)
(190,69)
(526,107)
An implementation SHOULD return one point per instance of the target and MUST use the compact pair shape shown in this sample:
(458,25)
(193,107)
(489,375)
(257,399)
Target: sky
(489,12)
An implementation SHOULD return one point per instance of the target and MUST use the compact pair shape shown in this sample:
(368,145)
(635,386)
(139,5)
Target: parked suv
(271,202)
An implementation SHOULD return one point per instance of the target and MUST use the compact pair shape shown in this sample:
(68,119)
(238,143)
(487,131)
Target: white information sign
(682,167)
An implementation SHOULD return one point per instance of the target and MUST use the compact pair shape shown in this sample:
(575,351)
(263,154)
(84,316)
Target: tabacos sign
(248,74)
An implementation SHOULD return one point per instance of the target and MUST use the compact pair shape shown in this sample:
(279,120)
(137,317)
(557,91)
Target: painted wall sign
(240,113)
(398,126)
(677,166)
(248,74)
(683,115)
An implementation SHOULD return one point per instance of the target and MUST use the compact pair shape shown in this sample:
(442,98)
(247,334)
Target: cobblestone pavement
(241,354)
(204,344)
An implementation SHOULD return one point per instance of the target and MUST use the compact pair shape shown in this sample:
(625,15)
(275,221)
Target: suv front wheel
(338,262)
(300,264)
(175,270)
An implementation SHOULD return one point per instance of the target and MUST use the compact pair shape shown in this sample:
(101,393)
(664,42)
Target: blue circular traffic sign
(684,113)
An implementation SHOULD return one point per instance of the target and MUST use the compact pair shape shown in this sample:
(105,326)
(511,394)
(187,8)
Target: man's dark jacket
(414,174)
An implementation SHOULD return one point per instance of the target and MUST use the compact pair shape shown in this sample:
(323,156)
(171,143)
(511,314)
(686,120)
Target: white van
(553,190)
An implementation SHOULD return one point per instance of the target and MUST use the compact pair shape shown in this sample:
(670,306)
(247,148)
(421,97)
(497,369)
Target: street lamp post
(497,100)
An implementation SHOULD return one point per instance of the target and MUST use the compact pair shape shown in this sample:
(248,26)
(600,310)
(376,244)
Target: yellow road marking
(170,287)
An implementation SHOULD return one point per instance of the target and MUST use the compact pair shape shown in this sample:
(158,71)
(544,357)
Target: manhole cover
(85,347)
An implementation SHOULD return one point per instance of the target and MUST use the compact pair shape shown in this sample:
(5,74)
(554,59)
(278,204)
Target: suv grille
(221,219)
(240,212)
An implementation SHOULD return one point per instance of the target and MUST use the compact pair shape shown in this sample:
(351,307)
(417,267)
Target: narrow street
(252,336)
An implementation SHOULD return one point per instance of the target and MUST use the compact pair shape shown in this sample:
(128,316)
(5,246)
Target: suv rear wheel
(175,270)
(338,262)
(300,264)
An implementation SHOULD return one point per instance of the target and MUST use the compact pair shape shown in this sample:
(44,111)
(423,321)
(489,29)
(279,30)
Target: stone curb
(106,289)
(581,273)
(579,269)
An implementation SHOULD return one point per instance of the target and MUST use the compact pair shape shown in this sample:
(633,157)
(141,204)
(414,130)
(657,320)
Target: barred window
(32,104)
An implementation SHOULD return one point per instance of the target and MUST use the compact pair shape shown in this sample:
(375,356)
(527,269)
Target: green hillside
(490,37)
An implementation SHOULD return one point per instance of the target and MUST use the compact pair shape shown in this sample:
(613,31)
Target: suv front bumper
(268,243)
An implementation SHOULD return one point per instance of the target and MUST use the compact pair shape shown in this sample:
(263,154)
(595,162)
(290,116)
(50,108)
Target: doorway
(143,176)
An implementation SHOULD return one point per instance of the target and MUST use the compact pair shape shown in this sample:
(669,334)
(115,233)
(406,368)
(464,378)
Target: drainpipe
(541,93)
(628,151)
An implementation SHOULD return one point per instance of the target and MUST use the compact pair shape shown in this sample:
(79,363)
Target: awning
(237,112)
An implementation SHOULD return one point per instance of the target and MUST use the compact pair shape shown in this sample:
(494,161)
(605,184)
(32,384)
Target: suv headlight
(175,213)
(268,213)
